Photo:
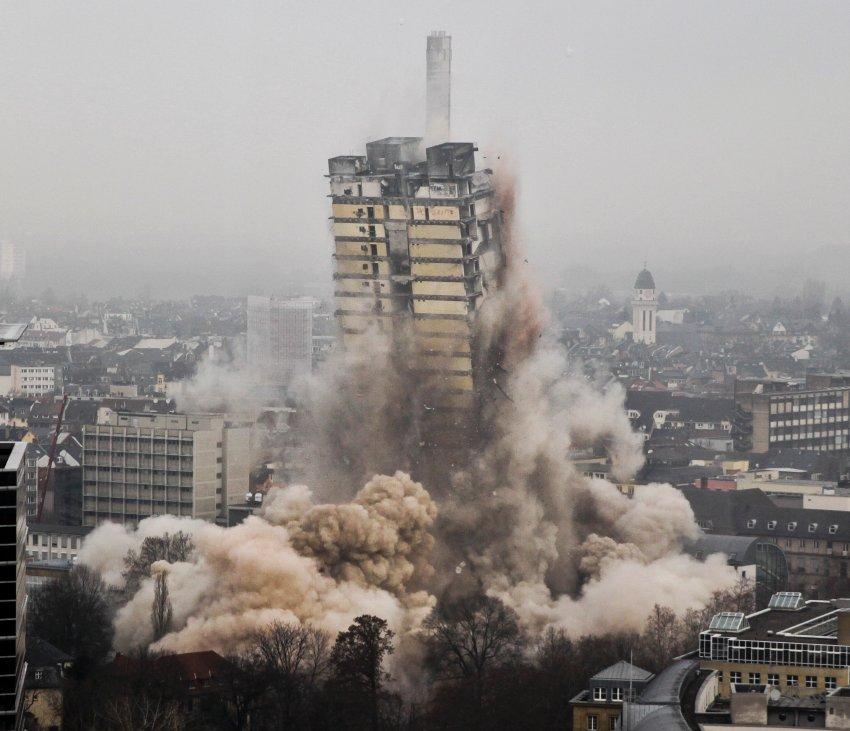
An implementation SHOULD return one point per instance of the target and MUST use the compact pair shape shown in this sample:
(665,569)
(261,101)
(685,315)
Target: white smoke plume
(503,510)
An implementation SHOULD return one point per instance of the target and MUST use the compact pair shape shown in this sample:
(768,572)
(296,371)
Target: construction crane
(44,484)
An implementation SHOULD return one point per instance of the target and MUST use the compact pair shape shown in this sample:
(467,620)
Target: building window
(755,678)
(791,681)
(593,723)
(830,683)
(599,694)
(734,677)
(719,676)
(811,681)
(616,694)
(773,678)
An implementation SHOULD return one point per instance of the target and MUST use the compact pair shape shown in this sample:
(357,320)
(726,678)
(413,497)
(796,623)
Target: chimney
(438,88)
(843,636)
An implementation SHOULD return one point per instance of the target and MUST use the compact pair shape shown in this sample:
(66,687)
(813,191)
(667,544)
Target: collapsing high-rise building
(438,88)
(417,237)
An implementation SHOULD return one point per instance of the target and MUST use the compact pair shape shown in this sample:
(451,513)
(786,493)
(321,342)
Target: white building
(280,337)
(644,309)
(34,380)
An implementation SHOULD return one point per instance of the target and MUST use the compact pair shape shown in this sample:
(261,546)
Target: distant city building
(12,262)
(280,337)
(12,584)
(31,380)
(644,309)
(140,464)
(438,88)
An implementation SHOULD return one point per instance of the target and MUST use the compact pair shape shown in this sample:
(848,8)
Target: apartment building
(140,464)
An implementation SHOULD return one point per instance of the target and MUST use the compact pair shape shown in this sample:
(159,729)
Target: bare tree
(294,660)
(161,610)
(72,614)
(468,639)
(171,547)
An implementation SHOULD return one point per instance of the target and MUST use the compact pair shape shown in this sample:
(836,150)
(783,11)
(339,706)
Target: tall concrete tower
(438,89)
(644,309)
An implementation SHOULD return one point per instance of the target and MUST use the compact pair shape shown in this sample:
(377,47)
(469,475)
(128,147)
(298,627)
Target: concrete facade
(138,465)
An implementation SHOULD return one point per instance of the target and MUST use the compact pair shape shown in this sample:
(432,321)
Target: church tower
(644,309)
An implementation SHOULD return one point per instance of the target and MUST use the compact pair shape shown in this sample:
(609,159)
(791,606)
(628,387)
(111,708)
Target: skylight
(729,622)
(786,600)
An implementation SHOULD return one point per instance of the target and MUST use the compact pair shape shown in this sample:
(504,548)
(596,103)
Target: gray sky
(183,145)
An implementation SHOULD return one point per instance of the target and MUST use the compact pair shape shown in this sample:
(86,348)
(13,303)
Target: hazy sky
(183,145)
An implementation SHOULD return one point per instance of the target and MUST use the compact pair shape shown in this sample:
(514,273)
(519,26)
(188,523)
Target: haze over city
(402,367)
(185,142)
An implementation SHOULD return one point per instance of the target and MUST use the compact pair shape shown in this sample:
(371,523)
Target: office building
(644,309)
(140,464)
(801,648)
(416,236)
(770,415)
(13,536)
(280,337)
(438,88)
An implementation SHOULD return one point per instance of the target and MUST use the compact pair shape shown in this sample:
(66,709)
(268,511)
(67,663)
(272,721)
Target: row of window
(762,652)
(792,526)
(616,694)
(813,404)
(830,682)
(54,540)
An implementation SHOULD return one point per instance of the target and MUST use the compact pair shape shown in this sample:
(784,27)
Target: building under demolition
(417,244)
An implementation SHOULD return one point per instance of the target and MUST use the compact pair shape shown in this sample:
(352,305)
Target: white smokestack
(438,90)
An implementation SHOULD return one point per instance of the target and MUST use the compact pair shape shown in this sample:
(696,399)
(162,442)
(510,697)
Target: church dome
(644,280)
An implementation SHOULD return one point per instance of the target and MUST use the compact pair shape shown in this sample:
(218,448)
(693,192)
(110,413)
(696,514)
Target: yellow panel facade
(356,248)
(397,212)
(441,307)
(362,304)
(363,285)
(357,210)
(433,231)
(433,269)
(437,325)
(376,269)
(446,363)
(444,213)
(444,344)
(456,289)
(435,251)
(364,229)
(453,383)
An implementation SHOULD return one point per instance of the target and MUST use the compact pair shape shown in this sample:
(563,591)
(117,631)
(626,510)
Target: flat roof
(774,624)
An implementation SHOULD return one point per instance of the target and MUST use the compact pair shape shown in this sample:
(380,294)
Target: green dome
(644,280)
